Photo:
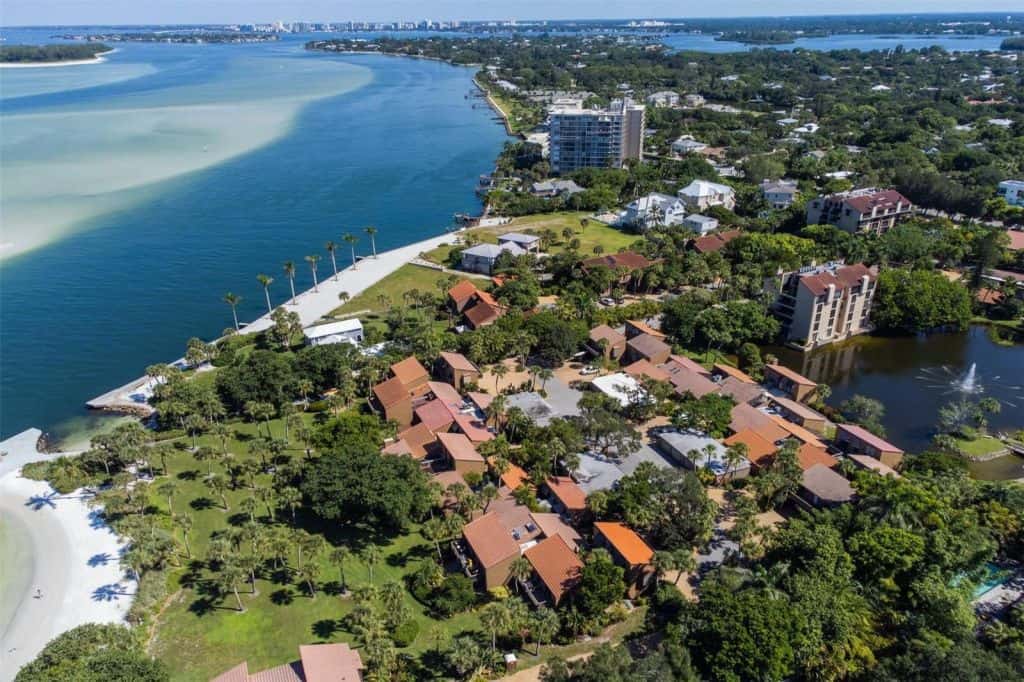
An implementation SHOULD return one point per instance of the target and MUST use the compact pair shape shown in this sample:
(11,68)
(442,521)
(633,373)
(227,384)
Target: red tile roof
(797,431)
(714,242)
(555,564)
(687,381)
(330,663)
(786,372)
(644,368)
(410,371)
(844,278)
(462,293)
(567,492)
(809,455)
(514,476)
(739,390)
(482,314)
(746,416)
(686,363)
(606,333)
(481,400)
(459,447)
(626,542)
(473,428)
(648,346)
(458,361)
(728,370)
(643,328)
(884,199)
(490,540)
(434,415)
(418,437)
(625,259)
(552,524)
(760,452)
(868,437)
(391,392)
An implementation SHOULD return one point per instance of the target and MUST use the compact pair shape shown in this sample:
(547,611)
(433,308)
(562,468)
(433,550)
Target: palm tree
(291,498)
(222,433)
(371,231)
(331,248)
(266,281)
(352,240)
(544,374)
(500,370)
(520,570)
(496,410)
(371,557)
(168,489)
(544,625)
(494,618)
(308,574)
(533,371)
(338,556)
(289,271)
(344,297)
(233,300)
(227,581)
(313,260)
(435,531)
(218,486)
(184,523)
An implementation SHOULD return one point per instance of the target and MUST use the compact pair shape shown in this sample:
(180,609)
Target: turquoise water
(994,577)
(146,187)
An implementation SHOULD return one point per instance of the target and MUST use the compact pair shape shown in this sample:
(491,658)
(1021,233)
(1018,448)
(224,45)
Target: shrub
(406,633)
(151,592)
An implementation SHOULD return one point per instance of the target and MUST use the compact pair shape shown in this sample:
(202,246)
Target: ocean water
(135,195)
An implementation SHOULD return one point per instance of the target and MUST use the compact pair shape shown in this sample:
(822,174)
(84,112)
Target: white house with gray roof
(701,224)
(482,257)
(655,209)
(700,195)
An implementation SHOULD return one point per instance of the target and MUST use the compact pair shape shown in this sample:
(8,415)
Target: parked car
(589,369)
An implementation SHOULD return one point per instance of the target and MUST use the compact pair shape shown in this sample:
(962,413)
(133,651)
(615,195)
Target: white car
(589,369)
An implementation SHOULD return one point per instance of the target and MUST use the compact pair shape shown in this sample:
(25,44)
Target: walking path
(310,305)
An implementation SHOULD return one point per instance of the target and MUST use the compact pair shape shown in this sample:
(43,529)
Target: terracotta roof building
(855,439)
(461,295)
(457,370)
(411,373)
(317,663)
(647,347)
(715,241)
(748,417)
(566,497)
(798,413)
(794,384)
(760,452)
(629,551)
(861,210)
(821,305)
(722,371)
(492,549)
(624,259)
(461,453)
(686,380)
(556,567)
(644,368)
(552,524)
(823,487)
(605,341)
(392,399)
(638,327)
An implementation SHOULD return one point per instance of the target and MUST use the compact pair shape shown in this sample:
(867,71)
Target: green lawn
(521,118)
(979,447)
(611,239)
(406,278)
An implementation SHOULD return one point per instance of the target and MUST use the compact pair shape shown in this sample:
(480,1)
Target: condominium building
(582,138)
(821,304)
(860,210)
(1012,191)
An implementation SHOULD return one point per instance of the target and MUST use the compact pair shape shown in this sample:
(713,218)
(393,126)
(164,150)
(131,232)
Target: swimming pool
(994,577)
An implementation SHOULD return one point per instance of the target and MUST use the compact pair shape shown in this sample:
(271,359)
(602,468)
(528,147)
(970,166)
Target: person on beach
(39,593)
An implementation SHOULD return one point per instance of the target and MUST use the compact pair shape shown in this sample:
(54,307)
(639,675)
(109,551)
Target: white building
(779,193)
(621,387)
(693,449)
(664,98)
(345,331)
(601,138)
(482,257)
(1012,191)
(700,195)
(701,224)
(655,209)
(693,101)
(687,145)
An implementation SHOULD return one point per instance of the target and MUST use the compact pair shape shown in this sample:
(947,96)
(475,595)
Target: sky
(85,12)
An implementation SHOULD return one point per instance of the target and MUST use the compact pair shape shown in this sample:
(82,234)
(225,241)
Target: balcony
(465,559)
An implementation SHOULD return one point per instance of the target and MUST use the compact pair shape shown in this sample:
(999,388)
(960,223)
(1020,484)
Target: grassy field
(406,278)
(520,117)
(979,447)
(199,635)
(611,239)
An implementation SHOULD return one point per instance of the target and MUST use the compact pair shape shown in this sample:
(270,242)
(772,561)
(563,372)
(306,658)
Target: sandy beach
(66,552)
(98,59)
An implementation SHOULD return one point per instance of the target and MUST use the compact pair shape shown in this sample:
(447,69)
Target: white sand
(74,560)
(38,65)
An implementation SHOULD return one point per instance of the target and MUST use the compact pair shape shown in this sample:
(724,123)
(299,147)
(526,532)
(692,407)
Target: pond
(915,376)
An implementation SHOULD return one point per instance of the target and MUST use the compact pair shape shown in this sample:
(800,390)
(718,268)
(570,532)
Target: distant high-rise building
(582,138)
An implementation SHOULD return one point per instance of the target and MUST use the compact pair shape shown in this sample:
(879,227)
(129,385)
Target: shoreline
(73,558)
(98,59)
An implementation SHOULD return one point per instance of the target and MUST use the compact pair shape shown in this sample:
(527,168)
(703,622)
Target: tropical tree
(371,231)
(168,489)
(338,556)
(331,248)
(371,556)
(436,531)
(290,497)
(313,260)
(352,240)
(289,270)
(233,300)
(219,487)
(520,570)
(184,523)
(309,573)
(500,371)
(266,281)
(494,618)
(544,625)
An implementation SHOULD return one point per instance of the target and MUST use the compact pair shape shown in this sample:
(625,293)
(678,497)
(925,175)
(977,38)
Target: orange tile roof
(398,447)
(473,428)
(759,451)
(490,540)
(481,400)
(462,292)
(458,361)
(330,663)
(434,415)
(556,565)
(645,328)
(515,476)
(797,431)
(808,455)
(786,372)
(746,416)
(686,363)
(487,298)
(459,447)
(626,542)
(606,333)
(410,371)
(418,437)
(568,493)
(391,392)
(644,368)
(482,314)
(733,372)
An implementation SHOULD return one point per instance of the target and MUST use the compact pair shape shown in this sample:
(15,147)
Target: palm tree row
(289,270)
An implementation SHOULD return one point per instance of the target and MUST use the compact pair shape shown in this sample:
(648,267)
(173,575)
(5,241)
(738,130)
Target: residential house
(634,328)
(795,385)
(581,138)
(620,387)
(644,369)
(760,452)
(556,571)
(851,438)
(663,98)
(819,305)
(701,224)
(461,454)
(417,441)
(693,449)
(701,195)
(462,295)
(687,145)
(798,413)
(457,370)
(693,101)
(1012,191)
(317,663)
(605,342)
(552,524)
(715,241)
(688,379)
(721,371)
(555,188)
(741,391)
(529,243)
(343,331)
(391,398)
(860,210)
(796,431)
(627,262)
(566,497)
(779,193)
(744,417)
(629,551)
(647,347)
(487,551)
(871,464)
(822,487)
(482,257)
(654,209)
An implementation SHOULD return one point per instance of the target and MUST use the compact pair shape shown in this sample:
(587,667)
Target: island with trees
(51,54)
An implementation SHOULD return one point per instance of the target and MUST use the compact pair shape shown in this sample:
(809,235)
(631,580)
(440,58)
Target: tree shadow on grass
(283,597)
(415,553)
(201,503)
(325,628)
(188,475)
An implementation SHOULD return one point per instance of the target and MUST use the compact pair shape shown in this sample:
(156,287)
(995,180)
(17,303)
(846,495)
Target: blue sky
(27,12)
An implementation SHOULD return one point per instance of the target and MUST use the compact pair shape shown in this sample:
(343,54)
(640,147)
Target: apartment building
(582,138)
(1012,191)
(821,304)
(860,210)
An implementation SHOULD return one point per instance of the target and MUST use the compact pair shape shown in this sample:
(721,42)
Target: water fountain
(969,383)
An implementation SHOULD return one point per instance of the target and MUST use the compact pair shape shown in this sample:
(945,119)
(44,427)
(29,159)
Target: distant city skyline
(95,12)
